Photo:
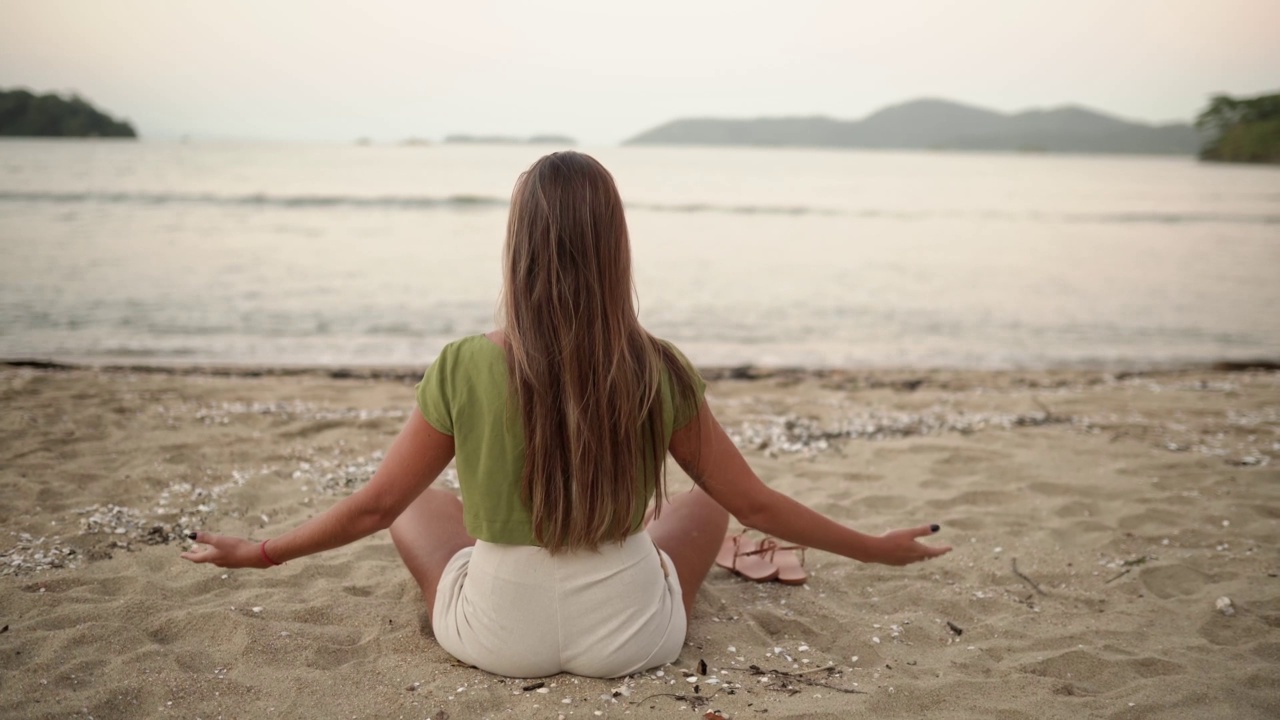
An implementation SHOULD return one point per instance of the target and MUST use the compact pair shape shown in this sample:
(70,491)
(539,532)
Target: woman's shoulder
(677,352)
(470,346)
(465,365)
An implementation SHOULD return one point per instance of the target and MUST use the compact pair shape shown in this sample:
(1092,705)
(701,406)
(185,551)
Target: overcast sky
(602,71)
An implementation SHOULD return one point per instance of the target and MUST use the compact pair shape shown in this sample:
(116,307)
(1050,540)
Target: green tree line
(1241,130)
(23,113)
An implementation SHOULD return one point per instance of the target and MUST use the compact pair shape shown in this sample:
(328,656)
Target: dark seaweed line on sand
(895,379)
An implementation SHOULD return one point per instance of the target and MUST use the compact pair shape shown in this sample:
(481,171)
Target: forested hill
(23,113)
(940,125)
(1242,129)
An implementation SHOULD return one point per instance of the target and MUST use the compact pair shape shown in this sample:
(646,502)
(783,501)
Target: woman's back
(465,394)
(587,381)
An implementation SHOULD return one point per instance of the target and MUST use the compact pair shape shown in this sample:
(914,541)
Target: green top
(464,394)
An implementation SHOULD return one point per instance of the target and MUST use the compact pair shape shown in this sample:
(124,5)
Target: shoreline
(848,375)
(1097,522)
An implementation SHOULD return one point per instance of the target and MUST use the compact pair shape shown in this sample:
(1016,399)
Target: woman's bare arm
(415,459)
(707,454)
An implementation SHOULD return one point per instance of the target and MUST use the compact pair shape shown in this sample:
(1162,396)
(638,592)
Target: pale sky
(601,71)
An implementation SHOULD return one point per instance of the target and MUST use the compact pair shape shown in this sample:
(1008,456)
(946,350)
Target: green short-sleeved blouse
(464,394)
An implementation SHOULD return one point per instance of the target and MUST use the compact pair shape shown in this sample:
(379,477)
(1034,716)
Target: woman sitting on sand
(560,423)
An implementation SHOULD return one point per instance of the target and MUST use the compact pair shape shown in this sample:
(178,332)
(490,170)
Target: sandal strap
(770,546)
(767,546)
(737,543)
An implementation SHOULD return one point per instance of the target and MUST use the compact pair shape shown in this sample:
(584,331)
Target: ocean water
(277,254)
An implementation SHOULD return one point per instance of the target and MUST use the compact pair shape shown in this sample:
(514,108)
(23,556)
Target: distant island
(1244,130)
(509,140)
(931,124)
(25,114)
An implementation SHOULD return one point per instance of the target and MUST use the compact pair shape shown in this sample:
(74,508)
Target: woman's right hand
(226,551)
(901,547)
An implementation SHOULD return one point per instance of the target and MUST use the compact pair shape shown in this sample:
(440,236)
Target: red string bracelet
(263,549)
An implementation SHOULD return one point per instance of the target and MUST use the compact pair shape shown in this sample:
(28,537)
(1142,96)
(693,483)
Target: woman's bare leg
(691,530)
(427,535)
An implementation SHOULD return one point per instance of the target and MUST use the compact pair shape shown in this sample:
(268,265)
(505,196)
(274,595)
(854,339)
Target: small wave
(463,202)
(735,209)
(258,199)
(1174,218)
(358,201)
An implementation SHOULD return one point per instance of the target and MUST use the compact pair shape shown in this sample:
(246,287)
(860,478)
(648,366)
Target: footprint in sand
(330,647)
(1252,622)
(778,627)
(323,656)
(1089,673)
(1168,581)
(357,591)
(1151,520)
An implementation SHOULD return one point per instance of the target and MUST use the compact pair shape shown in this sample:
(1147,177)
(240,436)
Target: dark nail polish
(191,535)
(935,528)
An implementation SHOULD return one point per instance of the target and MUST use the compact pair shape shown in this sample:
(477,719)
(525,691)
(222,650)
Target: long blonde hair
(585,374)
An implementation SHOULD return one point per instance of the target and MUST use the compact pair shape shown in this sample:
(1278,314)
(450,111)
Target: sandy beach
(1099,520)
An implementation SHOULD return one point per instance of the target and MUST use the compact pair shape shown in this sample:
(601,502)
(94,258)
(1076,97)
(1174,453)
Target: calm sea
(344,255)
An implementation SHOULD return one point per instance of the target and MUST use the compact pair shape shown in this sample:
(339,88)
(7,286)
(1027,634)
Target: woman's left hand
(226,551)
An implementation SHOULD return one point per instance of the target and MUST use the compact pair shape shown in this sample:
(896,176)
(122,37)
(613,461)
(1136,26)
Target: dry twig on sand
(1029,581)
(695,701)
(1049,415)
(1117,576)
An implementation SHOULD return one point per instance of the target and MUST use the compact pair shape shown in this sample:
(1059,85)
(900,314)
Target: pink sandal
(789,563)
(745,557)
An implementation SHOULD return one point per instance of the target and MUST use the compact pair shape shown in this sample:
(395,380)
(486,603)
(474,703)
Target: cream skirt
(519,611)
